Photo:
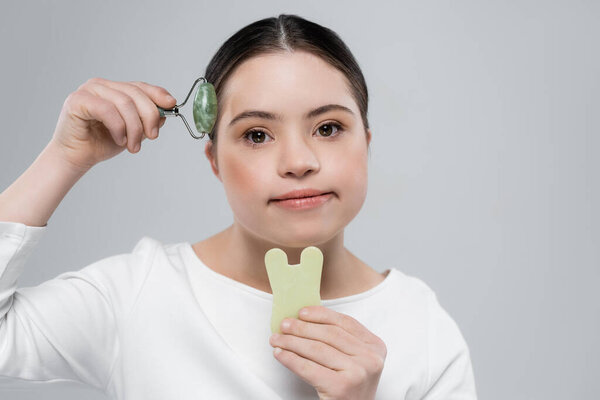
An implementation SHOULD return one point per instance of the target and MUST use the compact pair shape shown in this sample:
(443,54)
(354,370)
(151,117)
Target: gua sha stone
(293,286)
(205,107)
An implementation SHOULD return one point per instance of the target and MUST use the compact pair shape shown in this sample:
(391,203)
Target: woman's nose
(298,158)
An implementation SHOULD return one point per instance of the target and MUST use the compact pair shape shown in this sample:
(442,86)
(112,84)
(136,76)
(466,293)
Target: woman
(192,321)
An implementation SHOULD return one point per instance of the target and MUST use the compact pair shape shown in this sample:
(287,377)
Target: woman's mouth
(303,203)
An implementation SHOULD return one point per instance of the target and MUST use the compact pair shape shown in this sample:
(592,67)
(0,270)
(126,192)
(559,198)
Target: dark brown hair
(286,33)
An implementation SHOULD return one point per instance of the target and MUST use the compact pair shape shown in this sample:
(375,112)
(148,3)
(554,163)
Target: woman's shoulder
(126,271)
(122,276)
(410,295)
(440,324)
(407,285)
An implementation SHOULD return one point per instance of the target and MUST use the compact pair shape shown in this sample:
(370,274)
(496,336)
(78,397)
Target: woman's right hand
(102,117)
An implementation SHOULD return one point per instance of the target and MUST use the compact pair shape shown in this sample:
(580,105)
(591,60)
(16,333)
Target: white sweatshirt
(157,323)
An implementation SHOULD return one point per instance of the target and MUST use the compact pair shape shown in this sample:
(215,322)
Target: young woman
(182,321)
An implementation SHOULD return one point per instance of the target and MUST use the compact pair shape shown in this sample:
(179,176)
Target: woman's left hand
(331,351)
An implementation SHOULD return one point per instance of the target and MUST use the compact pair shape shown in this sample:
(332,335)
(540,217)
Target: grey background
(483,172)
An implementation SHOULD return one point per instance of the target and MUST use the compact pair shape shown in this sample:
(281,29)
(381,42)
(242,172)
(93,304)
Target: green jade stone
(205,107)
(293,286)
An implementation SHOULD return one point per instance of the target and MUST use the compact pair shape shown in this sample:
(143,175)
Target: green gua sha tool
(204,109)
(293,286)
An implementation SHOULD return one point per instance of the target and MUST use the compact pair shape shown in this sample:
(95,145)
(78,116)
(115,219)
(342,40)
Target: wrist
(60,158)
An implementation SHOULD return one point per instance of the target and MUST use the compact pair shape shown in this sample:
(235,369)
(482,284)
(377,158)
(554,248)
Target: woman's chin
(291,239)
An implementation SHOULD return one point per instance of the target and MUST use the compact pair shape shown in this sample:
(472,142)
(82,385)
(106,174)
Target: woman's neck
(241,257)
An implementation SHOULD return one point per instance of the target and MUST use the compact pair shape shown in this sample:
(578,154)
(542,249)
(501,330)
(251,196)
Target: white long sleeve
(450,374)
(157,323)
(62,329)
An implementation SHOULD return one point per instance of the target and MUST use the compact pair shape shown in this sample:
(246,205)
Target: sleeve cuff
(22,233)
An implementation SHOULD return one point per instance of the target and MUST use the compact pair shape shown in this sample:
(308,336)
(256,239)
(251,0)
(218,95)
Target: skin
(296,153)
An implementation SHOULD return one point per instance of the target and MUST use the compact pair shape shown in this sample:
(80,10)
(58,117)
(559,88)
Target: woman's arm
(62,329)
(66,328)
(97,122)
(34,196)
(450,375)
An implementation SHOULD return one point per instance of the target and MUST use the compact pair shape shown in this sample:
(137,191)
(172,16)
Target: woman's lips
(304,203)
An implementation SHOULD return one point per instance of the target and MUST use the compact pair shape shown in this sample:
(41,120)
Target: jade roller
(204,109)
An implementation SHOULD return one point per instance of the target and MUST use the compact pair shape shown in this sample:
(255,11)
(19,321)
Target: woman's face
(290,151)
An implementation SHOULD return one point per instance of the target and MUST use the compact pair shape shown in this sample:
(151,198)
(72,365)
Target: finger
(333,335)
(309,371)
(160,96)
(86,106)
(324,315)
(127,109)
(313,350)
(146,108)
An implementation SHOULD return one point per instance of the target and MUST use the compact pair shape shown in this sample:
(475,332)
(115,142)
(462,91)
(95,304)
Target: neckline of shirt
(194,260)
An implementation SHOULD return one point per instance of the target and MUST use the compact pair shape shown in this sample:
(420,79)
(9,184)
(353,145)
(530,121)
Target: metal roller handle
(174,112)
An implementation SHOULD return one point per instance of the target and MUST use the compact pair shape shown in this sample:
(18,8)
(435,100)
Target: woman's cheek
(235,178)
(245,183)
(350,166)
(352,176)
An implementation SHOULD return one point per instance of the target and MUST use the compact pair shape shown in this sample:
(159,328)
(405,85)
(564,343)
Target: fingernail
(154,133)
(277,350)
(137,148)
(171,98)
(285,324)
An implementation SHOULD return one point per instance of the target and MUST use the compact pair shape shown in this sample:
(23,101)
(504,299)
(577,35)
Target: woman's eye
(327,128)
(257,136)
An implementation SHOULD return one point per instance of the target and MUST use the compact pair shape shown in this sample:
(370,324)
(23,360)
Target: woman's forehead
(284,81)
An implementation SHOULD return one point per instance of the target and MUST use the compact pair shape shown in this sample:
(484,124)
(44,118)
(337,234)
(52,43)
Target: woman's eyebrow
(271,116)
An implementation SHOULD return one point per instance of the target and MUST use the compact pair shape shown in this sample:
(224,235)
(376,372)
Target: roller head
(205,108)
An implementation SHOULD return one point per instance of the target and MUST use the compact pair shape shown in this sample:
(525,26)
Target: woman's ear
(212,158)
(369,136)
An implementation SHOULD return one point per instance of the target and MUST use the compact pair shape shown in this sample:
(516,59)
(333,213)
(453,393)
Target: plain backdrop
(483,175)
